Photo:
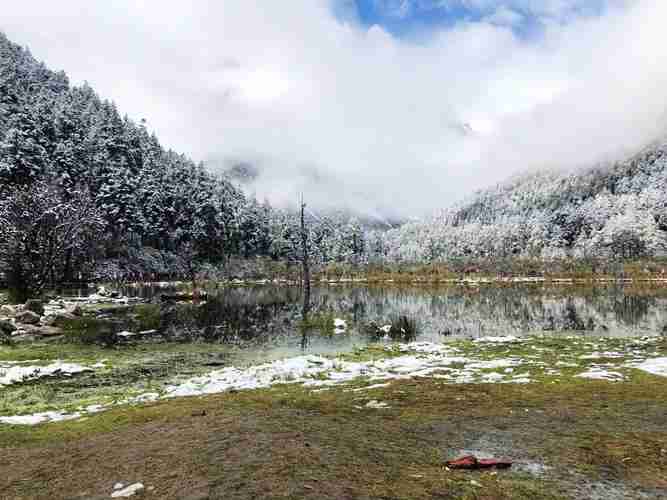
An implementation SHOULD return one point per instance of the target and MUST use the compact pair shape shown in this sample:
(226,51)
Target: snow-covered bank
(495,360)
(317,371)
(655,366)
(12,373)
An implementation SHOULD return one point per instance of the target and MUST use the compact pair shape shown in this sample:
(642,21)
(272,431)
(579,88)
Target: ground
(568,436)
(575,439)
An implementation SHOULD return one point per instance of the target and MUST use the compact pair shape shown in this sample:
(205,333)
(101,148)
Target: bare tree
(306,271)
(45,238)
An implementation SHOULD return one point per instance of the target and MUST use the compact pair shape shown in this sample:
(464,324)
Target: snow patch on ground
(39,418)
(423,347)
(601,374)
(373,404)
(499,340)
(369,387)
(597,355)
(410,360)
(655,366)
(12,374)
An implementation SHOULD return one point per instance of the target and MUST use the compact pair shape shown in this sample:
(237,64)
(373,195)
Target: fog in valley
(319,100)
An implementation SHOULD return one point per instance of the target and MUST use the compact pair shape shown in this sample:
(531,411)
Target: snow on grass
(423,347)
(369,387)
(373,404)
(499,340)
(51,416)
(597,373)
(655,366)
(40,418)
(597,355)
(12,374)
(493,362)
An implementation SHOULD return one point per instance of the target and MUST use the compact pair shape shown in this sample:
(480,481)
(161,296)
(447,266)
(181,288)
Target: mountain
(68,137)
(615,209)
(156,204)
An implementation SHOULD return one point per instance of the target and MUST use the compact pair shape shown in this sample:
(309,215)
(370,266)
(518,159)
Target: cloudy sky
(403,105)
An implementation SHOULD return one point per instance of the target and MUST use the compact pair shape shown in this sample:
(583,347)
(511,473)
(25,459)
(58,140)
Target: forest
(88,194)
(609,210)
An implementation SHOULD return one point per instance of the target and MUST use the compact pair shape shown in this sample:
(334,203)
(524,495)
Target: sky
(385,106)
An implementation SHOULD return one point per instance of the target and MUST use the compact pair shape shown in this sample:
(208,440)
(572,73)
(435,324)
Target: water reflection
(270,316)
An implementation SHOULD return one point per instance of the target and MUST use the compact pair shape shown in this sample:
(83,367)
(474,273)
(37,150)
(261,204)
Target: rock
(27,330)
(8,311)
(76,311)
(128,491)
(59,319)
(6,327)
(471,462)
(35,305)
(27,317)
(48,331)
(125,334)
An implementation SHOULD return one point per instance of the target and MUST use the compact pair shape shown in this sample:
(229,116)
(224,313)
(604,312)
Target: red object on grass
(471,462)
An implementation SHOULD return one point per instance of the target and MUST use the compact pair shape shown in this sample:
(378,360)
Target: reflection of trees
(273,312)
(630,310)
(498,310)
(571,320)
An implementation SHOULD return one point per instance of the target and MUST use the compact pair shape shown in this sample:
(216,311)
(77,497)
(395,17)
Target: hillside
(159,209)
(617,209)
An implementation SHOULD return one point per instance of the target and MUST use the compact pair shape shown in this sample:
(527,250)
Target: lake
(268,317)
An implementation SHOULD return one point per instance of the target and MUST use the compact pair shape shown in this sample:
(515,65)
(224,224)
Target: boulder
(27,317)
(48,331)
(58,319)
(35,305)
(27,330)
(6,327)
(7,311)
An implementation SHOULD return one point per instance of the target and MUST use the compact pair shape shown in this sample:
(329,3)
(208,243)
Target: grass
(130,370)
(287,442)
(291,442)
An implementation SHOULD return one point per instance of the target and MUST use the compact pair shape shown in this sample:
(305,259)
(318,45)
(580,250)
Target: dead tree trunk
(305,276)
(305,263)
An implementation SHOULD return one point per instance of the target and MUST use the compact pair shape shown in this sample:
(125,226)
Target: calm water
(267,317)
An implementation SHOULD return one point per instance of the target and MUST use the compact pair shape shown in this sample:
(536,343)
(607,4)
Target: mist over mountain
(373,127)
(403,110)
(616,210)
(322,191)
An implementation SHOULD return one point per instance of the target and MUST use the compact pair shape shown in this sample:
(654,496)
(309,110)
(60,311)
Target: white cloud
(376,120)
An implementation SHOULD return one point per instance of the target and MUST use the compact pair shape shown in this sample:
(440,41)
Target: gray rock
(27,330)
(35,305)
(48,331)
(6,327)
(8,311)
(58,319)
(27,317)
